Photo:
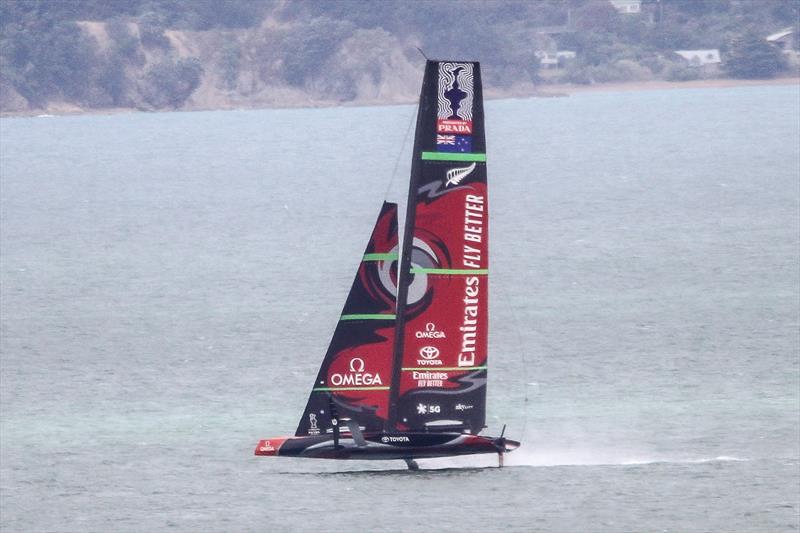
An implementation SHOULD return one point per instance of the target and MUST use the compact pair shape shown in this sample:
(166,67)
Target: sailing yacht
(405,373)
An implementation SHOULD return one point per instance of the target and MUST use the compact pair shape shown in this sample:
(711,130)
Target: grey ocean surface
(170,283)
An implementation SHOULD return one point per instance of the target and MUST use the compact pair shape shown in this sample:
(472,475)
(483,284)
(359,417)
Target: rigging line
(515,321)
(401,152)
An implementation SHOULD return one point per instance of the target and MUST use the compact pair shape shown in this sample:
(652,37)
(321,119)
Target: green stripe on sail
(334,389)
(452,156)
(380,257)
(367,317)
(446,369)
(450,271)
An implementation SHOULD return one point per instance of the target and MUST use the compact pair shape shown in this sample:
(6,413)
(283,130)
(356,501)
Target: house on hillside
(785,40)
(700,58)
(627,7)
(551,60)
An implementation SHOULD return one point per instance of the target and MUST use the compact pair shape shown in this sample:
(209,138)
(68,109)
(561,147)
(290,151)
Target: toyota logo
(429,352)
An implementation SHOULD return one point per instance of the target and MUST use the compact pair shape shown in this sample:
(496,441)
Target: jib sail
(355,376)
(440,360)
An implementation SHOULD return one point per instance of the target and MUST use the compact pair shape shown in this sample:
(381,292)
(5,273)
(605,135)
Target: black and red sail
(410,350)
(440,359)
(355,377)
(406,368)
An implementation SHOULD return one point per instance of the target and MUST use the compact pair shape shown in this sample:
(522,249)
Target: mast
(404,267)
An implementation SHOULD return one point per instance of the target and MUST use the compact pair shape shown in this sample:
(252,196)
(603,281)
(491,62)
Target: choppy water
(170,281)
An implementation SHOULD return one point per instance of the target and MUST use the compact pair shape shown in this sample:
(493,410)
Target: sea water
(170,282)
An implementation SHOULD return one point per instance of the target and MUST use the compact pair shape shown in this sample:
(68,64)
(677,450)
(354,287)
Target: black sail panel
(355,376)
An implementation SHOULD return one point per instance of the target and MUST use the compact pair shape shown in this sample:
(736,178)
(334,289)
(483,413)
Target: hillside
(160,54)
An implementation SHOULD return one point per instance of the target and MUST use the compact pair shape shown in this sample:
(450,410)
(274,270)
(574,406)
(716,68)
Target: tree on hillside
(124,44)
(363,65)
(752,57)
(698,8)
(48,59)
(151,30)
(305,49)
(168,84)
(229,62)
(597,17)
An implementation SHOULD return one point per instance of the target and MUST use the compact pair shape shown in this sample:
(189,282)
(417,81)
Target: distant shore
(657,85)
(522,91)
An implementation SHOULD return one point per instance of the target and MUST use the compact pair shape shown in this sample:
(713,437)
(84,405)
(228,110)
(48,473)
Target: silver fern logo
(455,175)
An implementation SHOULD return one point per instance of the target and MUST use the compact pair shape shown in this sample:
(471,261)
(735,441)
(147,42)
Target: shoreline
(521,92)
(658,85)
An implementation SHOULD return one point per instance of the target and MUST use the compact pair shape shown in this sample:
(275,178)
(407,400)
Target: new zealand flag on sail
(454,143)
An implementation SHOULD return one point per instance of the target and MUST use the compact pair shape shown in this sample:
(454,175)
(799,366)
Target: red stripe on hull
(270,446)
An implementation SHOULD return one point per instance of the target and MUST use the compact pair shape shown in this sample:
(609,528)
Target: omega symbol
(356,364)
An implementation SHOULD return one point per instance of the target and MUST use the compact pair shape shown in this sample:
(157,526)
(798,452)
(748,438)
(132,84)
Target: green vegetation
(169,84)
(752,57)
(154,54)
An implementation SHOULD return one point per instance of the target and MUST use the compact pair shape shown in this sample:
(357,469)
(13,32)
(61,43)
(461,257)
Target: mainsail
(355,377)
(440,352)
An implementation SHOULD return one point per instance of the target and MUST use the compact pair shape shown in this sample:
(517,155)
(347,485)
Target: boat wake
(572,457)
(604,458)
(542,459)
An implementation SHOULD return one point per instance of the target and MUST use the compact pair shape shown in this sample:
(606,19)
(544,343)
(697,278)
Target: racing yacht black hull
(383,446)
